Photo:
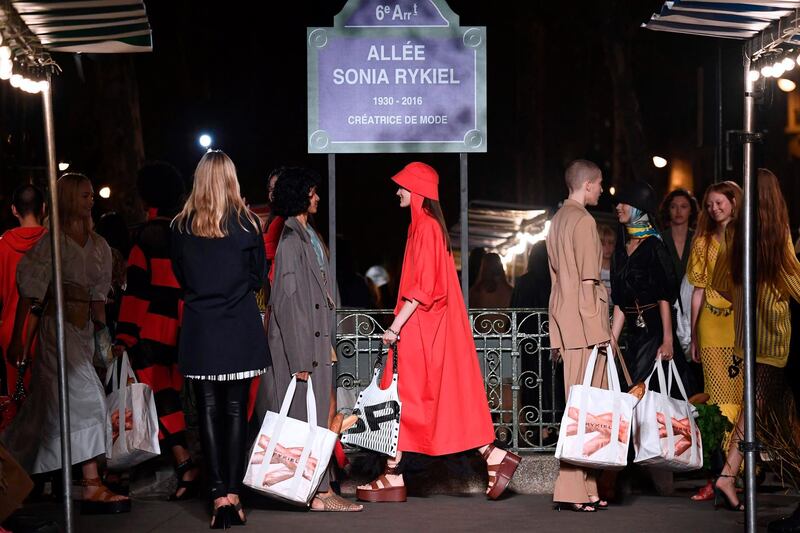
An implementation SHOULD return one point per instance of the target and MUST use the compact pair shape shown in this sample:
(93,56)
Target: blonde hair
(605,232)
(215,196)
(69,212)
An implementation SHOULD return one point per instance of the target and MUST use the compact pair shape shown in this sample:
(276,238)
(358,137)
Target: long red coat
(440,383)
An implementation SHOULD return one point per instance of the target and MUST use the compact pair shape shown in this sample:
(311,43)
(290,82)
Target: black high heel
(191,488)
(236,518)
(221,517)
(587,507)
(726,502)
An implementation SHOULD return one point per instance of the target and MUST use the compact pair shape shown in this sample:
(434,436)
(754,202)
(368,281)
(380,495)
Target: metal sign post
(58,294)
(399,77)
(464,228)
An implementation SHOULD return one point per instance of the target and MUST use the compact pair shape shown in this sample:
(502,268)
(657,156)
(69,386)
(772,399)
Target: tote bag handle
(311,412)
(613,386)
(123,372)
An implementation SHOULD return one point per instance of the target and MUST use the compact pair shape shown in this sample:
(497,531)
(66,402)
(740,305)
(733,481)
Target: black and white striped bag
(378,411)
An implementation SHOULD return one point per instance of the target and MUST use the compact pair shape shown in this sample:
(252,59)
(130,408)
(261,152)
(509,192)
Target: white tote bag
(290,456)
(378,411)
(132,417)
(665,433)
(596,427)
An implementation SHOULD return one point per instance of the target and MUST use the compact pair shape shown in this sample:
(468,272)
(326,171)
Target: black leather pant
(222,413)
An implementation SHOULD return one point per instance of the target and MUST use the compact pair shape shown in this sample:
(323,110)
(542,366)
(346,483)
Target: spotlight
(44,86)
(786,85)
(16,80)
(766,71)
(659,161)
(204,140)
(753,75)
(612,190)
(63,166)
(788,63)
(777,69)
(105,192)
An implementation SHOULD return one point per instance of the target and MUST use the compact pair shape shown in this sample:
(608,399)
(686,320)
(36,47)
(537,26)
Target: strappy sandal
(599,504)
(333,503)
(102,502)
(719,495)
(588,507)
(191,488)
(500,474)
(381,491)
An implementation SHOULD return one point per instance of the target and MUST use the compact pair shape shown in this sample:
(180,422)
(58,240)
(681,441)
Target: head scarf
(639,225)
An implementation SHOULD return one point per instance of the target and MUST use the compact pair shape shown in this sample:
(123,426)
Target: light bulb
(786,85)
(29,86)
(659,161)
(44,86)
(105,192)
(204,140)
(612,190)
(5,74)
(766,71)
(777,69)
(5,53)
(16,80)
(63,166)
(753,75)
(788,63)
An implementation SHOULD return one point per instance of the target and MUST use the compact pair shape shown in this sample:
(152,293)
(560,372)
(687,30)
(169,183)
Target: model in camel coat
(301,323)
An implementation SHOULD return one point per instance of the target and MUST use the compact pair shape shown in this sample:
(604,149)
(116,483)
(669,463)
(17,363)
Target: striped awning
(729,19)
(89,26)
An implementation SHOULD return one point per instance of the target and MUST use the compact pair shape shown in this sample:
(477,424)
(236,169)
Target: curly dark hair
(664,209)
(160,185)
(290,197)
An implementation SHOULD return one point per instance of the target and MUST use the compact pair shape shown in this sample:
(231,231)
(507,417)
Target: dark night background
(565,80)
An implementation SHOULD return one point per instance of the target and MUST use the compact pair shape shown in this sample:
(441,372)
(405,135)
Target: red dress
(440,383)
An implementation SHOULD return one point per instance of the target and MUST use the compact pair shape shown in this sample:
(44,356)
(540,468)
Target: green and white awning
(89,26)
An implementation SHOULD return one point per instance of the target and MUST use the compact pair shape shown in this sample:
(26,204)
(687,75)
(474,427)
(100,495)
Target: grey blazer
(301,322)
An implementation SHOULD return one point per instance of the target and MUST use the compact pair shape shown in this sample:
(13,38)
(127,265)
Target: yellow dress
(722,367)
(773,320)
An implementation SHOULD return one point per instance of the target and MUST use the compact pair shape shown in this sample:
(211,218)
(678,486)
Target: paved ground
(446,513)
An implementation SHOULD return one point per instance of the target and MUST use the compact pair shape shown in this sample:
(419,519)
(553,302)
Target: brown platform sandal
(381,491)
(101,501)
(500,474)
(333,503)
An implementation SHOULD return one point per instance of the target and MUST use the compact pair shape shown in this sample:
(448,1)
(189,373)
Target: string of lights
(24,62)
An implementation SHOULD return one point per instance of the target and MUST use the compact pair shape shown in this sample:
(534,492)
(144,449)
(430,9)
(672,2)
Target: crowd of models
(183,307)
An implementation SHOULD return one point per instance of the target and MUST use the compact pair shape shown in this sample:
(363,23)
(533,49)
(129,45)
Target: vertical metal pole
(332,223)
(749,288)
(58,293)
(464,229)
(718,163)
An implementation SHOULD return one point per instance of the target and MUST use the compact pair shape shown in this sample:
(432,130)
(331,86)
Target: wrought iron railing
(524,388)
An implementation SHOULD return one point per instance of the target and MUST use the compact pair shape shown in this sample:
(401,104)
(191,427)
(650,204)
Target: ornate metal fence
(524,388)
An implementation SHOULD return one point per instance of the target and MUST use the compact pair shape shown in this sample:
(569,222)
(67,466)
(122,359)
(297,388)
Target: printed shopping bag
(290,456)
(132,417)
(665,433)
(378,412)
(596,427)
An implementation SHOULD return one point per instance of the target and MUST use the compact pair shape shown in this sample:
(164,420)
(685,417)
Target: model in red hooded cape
(28,208)
(440,382)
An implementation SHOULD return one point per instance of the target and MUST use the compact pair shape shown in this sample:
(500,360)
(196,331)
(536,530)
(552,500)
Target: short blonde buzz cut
(579,172)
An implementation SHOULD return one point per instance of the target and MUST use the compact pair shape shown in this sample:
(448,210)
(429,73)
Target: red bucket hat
(419,178)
